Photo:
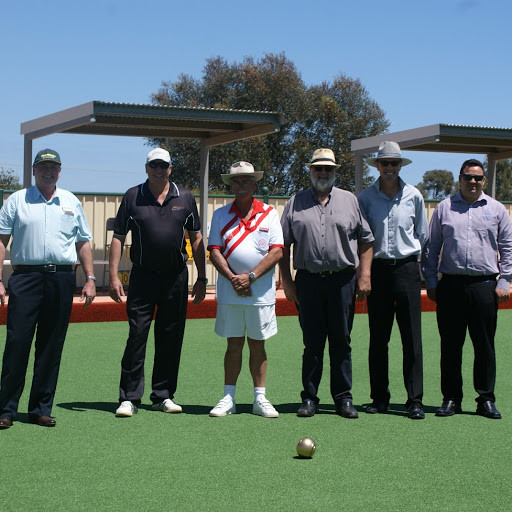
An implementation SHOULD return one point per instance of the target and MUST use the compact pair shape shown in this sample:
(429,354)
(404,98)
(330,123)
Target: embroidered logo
(177,208)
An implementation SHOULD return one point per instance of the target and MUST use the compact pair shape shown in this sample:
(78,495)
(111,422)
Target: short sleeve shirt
(325,238)
(158,230)
(244,245)
(44,231)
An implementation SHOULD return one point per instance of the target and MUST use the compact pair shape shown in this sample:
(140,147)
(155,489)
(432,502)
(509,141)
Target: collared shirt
(472,236)
(44,231)
(324,238)
(158,230)
(244,243)
(399,225)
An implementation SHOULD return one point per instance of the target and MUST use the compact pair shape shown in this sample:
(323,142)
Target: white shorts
(234,320)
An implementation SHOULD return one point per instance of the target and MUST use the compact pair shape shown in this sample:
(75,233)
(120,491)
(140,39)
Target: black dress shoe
(5,423)
(347,409)
(376,407)
(488,409)
(307,409)
(42,421)
(449,408)
(416,411)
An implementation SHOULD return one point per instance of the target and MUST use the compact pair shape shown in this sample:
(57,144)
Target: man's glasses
(393,163)
(469,177)
(156,165)
(324,168)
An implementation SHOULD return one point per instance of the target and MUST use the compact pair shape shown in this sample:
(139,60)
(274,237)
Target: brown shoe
(5,423)
(42,421)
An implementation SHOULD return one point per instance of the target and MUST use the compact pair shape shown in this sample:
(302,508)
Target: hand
(241,282)
(290,291)
(88,292)
(364,287)
(2,294)
(432,294)
(501,294)
(198,292)
(115,290)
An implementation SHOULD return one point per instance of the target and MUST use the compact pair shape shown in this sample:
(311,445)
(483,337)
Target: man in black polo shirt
(157,212)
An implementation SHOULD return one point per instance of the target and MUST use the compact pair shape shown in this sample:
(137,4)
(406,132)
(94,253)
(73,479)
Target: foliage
(325,115)
(436,184)
(503,180)
(9,180)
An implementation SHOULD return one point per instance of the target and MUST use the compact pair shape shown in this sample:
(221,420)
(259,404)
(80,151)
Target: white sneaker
(126,409)
(262,407)
(224,407)
(167,406)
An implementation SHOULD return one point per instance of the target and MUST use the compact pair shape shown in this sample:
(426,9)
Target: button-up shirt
(44,231)
(324,238)
(476,239)
(399,225)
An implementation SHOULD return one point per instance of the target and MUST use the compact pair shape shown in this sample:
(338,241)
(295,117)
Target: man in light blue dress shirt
(48,229)
(474,233)
(397,218)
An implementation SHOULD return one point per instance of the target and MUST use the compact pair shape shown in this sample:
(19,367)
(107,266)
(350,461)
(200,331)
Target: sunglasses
(156,165)
(469,177)
(394,163)
(325,168)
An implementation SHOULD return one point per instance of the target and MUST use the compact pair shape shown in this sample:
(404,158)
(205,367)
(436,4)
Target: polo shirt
(244,244)
(44,231)
(324,238)
(158,230)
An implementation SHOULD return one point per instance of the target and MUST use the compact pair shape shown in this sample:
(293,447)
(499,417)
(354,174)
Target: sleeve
(431,251)
(505,249)
(8,216)
(122,217)
(420,221)
(193,222)
(365,232)
(83,233)
(276,232)
(288,238)
(214,240)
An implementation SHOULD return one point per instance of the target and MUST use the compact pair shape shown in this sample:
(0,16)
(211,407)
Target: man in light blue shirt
(474,233)
(397,218)
(48,229)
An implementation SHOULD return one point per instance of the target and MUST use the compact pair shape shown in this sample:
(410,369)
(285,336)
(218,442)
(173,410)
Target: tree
(9,180)
(436,184)
(325,115)
(503,180)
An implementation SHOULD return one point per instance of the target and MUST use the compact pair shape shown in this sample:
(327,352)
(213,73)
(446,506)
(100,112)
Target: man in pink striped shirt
(245,243)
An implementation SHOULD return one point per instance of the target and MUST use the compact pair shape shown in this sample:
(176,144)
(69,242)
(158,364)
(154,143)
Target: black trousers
(326,311)
(467,303)
(43,300)
(396,290)
(167,293)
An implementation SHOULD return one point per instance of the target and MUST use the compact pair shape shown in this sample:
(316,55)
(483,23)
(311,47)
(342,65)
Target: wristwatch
(203,280)
(92,278)
(252,276)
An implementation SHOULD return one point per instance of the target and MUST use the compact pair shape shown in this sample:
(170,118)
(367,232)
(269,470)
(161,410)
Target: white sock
(259,392)
(230,390)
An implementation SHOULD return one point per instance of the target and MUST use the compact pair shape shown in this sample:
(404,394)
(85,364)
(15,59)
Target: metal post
(491,175)
(358,179)
(265,191)
(27,162)
(203,193)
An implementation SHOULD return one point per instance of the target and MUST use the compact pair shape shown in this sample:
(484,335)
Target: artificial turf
(156,461)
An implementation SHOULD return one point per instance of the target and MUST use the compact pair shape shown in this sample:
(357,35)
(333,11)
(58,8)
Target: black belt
(50,267)
(158,272)
(326,273)
(393,262)
(470,279)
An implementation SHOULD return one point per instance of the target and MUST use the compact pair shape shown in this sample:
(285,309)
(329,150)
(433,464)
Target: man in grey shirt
(331,240)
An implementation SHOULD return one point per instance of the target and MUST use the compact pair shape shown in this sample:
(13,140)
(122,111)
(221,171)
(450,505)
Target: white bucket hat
(159,154)
(388,149)
(242,169)
(323,156)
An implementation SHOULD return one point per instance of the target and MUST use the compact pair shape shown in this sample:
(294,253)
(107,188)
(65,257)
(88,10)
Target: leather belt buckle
(50,267)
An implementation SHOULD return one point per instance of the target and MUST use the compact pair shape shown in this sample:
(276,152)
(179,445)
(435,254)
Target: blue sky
(442,61)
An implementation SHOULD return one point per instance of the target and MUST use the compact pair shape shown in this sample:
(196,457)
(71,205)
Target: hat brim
(257,175)
(54,160)
(373,161)
(323,163)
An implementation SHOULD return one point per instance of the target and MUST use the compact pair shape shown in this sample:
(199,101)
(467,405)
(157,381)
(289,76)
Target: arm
(221,264)
(85,256)
(290,290)
(430,256)
(198,252)
(4,241)
(364,285)
(116,290)
(504,239)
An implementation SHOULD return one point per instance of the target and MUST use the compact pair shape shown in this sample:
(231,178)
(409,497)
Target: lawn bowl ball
(306,448)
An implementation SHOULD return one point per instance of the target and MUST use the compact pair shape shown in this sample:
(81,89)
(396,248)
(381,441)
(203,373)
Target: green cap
(47,155)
